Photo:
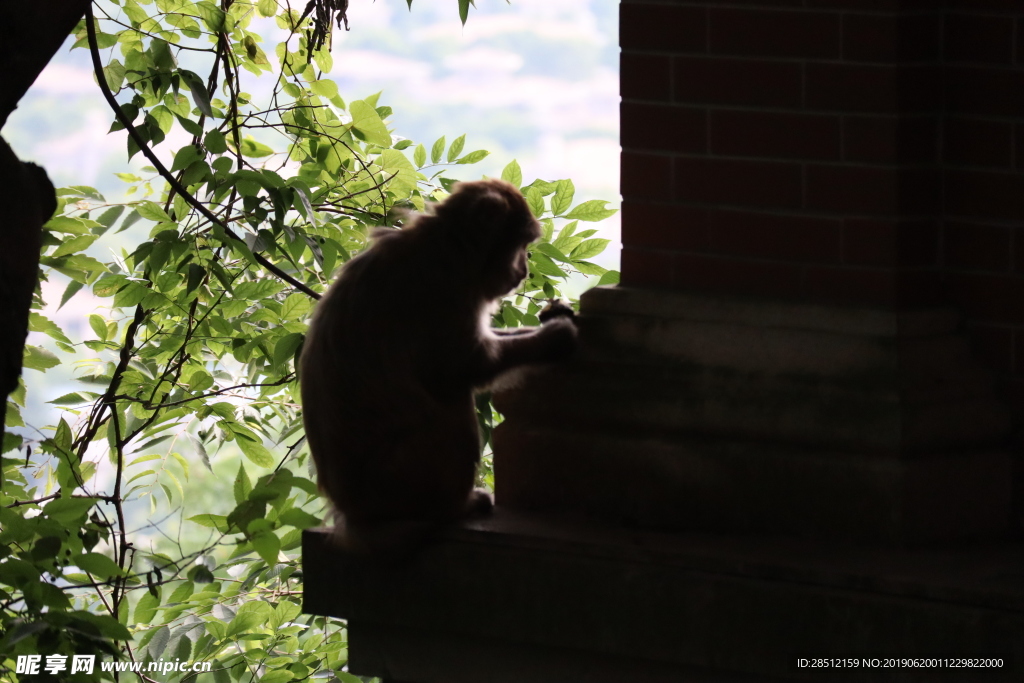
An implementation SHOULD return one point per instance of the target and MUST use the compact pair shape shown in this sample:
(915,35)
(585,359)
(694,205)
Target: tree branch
(162,170)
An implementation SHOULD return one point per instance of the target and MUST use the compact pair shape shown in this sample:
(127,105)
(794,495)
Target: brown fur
(396,349)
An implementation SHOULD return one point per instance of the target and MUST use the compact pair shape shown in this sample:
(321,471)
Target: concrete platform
(521,598)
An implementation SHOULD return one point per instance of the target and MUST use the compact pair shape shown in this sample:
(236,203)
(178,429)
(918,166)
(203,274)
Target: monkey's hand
(558,336)
(556,308)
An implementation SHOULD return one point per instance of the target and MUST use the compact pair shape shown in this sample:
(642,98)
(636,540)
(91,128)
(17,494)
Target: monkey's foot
(479,504)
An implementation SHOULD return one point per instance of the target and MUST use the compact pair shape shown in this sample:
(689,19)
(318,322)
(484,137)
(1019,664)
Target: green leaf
(185,157)
(286,347)
(196,273)
(251,148)
(296,307)
(69,511)
(267,8)
(325,88)
(592,210)
(456,149)
(588,268)
(153,212)
(242,486)
(535,200)
(215,142)
(99,326)
(73,288)
(40,323)
(38,358)
(419,156)
(146,608)
(97,565)
(589,249)
(298,518)
(544,265)
(114,74)
(562,200)
(437,150)
(324,60)
(72,399)
(74,245)
(464,10)
(366,120)
(609,278)
(67,224)
(200,95)
(512,173)
(110,216)
(256,452)
(397,167)
(266,543)
(218,522)
(473,157)
(211,15)
(551,250)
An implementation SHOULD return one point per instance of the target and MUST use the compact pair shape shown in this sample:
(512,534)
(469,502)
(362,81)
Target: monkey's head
(490,222)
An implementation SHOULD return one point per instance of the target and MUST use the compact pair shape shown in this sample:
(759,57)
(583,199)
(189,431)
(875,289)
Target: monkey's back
(386,445)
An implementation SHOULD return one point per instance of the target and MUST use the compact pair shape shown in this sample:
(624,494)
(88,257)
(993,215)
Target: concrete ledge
(528,599)
(701,412)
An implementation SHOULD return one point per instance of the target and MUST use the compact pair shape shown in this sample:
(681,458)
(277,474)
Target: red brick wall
(867,151)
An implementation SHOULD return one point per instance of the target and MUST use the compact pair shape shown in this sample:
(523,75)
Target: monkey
(395,351)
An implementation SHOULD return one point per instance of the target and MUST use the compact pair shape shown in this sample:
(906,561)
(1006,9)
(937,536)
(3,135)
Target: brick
(1020,41)
(1018,249)
(1018,351)
(737,81)
(645,175)
(876,286)
(866,190)
(1012,6)
(976,246)
(872,5)
(974,142)
(646,268)
(984,194)
(668,28)
(890,242)
(985,91)
(645,77)
(1019,138)
(872,88)
(775,134)
(891,38)
(773,236)
(987,297)
(664,226)
(739,183)
(920,287)
(978,38)
(736,276)
(773,33)
(891,139)
(663,127)
(993,345)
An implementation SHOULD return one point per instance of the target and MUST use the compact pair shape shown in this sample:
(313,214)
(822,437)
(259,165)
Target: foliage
(263,198)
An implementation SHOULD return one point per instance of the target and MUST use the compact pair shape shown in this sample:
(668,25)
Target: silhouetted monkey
(395,351)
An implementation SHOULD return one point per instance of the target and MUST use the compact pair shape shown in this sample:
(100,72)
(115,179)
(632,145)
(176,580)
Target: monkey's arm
(553,341)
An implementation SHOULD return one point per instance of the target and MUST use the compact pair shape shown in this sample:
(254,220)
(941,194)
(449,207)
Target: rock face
(711,413)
